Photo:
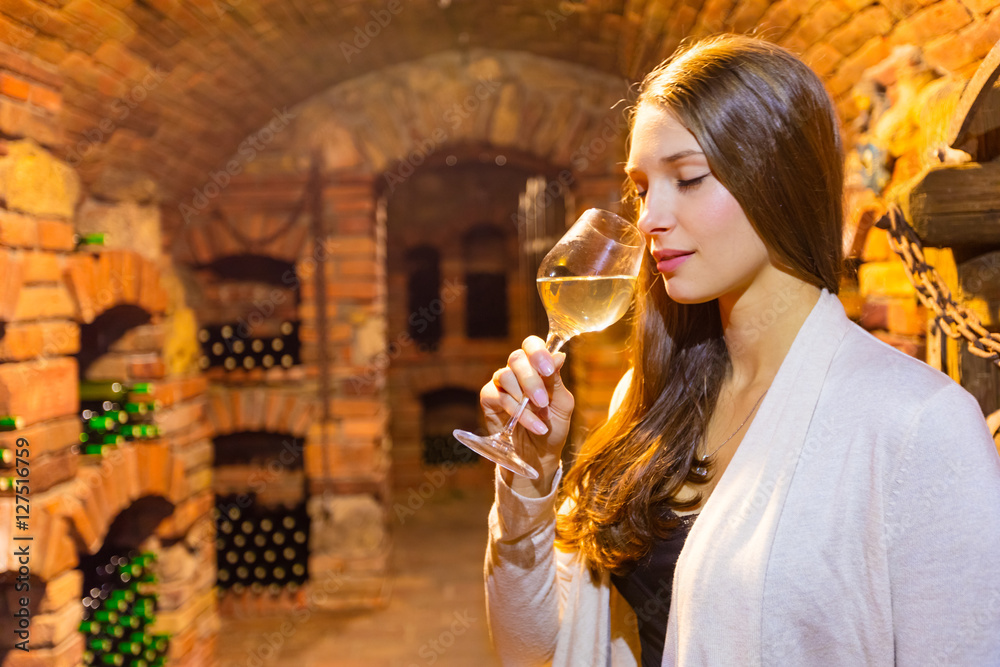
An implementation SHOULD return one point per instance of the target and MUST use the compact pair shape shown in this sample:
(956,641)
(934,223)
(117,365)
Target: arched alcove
(445,410)
(99,336)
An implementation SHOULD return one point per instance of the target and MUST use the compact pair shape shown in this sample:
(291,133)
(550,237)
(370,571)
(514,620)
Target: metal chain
(954,320)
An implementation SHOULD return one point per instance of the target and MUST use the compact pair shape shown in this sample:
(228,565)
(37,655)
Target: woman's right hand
(532,371)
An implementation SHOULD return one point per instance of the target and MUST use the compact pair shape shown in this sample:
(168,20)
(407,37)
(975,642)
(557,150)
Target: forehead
(657,134)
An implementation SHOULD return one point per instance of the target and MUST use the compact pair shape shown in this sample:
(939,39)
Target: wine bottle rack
(119,610)
(260,549)
(110,417)
(223,347)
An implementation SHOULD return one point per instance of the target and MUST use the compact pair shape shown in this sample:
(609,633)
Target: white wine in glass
(586,282)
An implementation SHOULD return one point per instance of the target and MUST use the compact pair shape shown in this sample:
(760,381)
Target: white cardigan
(857,524)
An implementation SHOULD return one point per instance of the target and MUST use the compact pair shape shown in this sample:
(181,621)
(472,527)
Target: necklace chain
(716,450)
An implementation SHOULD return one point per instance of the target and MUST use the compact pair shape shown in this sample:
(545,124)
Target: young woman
(825,499)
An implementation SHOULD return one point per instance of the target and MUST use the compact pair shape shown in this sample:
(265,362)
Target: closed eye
(691,183)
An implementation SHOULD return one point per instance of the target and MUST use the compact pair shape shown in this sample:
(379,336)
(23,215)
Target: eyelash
(683,186)
(691,183)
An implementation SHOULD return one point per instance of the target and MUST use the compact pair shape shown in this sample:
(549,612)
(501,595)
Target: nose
(655,216)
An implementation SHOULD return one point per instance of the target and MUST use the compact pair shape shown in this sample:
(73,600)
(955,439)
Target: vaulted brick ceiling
(167,89)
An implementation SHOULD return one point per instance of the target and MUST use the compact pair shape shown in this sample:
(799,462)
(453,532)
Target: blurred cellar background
(257,258)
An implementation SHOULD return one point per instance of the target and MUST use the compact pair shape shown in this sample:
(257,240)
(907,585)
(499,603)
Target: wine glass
(586,283)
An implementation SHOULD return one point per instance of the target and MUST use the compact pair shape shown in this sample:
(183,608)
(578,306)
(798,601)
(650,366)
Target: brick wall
(144,118)
(52,292)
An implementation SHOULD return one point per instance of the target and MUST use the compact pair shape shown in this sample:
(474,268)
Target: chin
(679,293)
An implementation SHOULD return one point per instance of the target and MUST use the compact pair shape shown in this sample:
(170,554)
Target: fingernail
(539,428)
(546,368)
(540,398)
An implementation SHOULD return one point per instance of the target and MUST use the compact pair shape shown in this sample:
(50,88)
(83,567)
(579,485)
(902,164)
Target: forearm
(522,596)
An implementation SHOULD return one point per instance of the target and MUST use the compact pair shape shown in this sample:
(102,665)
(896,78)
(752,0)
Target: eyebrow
(629,168)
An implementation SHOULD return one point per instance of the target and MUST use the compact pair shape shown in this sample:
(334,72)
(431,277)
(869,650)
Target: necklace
(701,469)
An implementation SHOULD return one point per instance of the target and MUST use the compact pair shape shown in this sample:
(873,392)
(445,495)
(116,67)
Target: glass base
(496,449)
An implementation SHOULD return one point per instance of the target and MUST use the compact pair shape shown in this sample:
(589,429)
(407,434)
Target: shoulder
(909,408)
(869,375)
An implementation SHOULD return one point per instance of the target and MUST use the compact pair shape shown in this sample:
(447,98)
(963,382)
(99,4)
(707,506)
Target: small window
(484,250)
(444,411)
(423,271)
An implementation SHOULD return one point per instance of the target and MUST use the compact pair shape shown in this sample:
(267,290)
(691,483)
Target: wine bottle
(136,408)
(91,239)
(101,423)
(100,644)
(11,423)
(90,627)
(101,390)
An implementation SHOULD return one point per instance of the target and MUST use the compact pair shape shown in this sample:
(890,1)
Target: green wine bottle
(90,239)
(11,423)
(100,391)
(100,644)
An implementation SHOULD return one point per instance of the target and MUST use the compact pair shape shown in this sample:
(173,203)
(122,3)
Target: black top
(647,587)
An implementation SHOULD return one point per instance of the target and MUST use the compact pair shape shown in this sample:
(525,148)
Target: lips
(669,253)
(668,259)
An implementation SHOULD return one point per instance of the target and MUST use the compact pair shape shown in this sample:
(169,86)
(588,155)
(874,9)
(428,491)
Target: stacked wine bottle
(119,609)
(8,456)
(223,347)
(260,548)
(110,417)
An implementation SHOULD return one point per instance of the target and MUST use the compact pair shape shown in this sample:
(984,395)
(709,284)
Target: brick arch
(232,409)
(160,92)
(422,383)
(114,277)
(393,121)
(77,519)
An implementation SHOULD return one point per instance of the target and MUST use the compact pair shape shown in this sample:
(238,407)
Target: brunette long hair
(770,134)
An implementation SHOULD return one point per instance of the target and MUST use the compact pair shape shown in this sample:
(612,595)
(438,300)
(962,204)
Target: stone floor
(435,615)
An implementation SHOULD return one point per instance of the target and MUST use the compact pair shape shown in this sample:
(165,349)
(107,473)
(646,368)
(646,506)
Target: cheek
(723,216)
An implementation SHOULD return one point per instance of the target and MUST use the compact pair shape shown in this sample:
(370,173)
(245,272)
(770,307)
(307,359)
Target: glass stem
(553,343)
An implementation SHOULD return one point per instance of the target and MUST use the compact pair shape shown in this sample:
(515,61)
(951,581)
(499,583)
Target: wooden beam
(951,205)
